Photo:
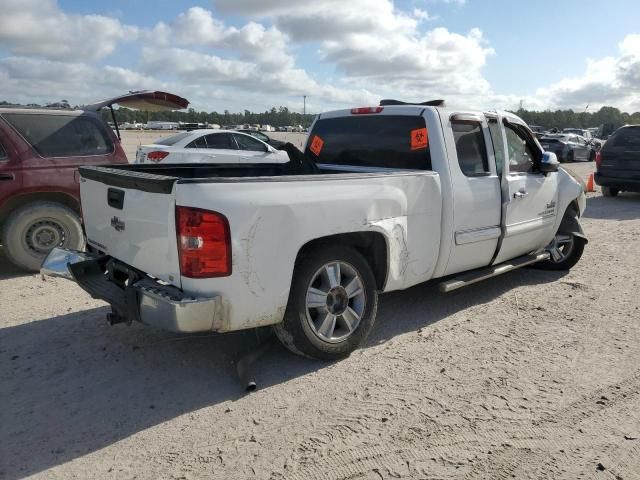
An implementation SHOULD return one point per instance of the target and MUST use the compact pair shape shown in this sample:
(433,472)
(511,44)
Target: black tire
(34,229)
(610,191)
(567,245)
(571,156)
(569,261)
(296,332)
(592,155)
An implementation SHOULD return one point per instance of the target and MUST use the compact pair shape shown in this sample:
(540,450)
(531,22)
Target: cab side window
(521,155)
(498,144)
(470,146)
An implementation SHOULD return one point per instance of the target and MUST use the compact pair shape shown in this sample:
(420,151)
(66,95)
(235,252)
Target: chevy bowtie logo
(117,224)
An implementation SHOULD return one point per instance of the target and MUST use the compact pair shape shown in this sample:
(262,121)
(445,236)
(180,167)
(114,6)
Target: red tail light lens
(365,110)
(598,158)
(204,243)
(156,156)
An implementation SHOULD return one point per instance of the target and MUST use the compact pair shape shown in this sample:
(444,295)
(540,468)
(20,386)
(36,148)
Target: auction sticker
(419,138)
(316,145)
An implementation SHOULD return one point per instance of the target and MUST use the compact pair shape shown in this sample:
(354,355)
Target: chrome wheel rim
(43,235)
(335,301)
(560,247)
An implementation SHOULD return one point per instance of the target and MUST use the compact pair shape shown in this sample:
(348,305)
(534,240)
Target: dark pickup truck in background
(40,152)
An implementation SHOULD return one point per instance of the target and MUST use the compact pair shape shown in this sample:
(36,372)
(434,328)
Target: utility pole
(304,108)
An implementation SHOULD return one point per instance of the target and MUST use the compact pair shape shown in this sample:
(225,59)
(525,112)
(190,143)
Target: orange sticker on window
(316,145)
(419,138)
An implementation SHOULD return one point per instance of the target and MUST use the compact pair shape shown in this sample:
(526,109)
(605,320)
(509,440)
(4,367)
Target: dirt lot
(529,375)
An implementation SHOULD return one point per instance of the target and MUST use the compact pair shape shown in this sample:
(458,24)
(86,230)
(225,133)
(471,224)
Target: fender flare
(571,224)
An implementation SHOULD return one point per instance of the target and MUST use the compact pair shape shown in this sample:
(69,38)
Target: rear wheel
(332,305)
(33,230)
(610,191)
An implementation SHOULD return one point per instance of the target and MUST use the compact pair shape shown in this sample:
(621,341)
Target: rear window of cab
(381,141)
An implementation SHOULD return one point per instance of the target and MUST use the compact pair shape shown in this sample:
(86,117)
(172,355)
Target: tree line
(277,117)
(607,119)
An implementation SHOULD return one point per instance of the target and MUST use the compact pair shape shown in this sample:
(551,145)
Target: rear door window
(220,140)
(199,142)
(470,147)
(3,153)
(62,135)
(382,141)
(248,143)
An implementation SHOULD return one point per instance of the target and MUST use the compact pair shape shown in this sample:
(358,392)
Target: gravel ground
(530,375)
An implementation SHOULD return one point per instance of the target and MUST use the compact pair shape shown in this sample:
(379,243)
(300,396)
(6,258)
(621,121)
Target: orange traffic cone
(590,185)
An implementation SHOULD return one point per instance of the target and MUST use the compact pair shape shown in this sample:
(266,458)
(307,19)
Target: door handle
(520,194)
(7,176)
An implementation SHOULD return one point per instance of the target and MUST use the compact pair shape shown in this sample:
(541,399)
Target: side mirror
(549,163)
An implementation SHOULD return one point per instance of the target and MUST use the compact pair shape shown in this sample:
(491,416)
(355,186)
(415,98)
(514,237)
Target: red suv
(40,150)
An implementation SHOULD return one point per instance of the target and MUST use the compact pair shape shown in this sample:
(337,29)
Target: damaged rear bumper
(134,296)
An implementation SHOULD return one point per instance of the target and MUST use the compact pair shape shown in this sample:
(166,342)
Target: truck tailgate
(131,217)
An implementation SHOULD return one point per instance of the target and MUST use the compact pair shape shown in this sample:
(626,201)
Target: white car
(210,146)
(399,194)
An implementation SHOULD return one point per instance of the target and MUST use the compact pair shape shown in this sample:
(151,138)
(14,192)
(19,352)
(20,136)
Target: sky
(256,54)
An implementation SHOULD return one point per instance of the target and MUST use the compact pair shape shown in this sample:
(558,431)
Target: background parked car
(40,150)
(588,135)
(210,146)
(265,138)
(568,148)
(618,162)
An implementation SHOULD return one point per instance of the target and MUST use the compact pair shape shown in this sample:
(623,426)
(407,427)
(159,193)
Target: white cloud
(30,80)
(376,46)
(606,81)
(422,15)
(198,27)
(40,28)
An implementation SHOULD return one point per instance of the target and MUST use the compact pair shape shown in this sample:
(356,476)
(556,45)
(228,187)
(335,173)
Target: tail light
(157,156)
(365,110)
(204,243)
(598,158)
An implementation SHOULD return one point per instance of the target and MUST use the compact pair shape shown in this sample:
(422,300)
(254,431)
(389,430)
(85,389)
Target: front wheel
(332,304)
(610,191)
(565,251)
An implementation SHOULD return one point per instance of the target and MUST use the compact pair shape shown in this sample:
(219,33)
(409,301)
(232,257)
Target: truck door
(476,193)
(530,196)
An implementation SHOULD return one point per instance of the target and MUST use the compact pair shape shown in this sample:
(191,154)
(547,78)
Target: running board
(480,274)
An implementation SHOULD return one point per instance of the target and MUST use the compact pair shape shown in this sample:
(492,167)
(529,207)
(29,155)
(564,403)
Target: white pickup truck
(382,198)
